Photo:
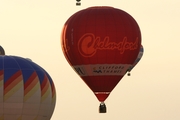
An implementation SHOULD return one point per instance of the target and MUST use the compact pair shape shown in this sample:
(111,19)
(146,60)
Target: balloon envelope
(27,91)
(101,43)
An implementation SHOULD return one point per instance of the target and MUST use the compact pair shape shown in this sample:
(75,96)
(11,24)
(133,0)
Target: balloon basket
(102,108)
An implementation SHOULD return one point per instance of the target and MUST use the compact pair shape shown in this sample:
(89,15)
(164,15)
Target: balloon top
(100,7)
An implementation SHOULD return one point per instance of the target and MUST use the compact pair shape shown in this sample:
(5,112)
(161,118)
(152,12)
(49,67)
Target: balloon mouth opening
(102,96)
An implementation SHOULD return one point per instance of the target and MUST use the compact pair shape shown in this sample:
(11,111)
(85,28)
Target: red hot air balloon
(101,43)
(27,91)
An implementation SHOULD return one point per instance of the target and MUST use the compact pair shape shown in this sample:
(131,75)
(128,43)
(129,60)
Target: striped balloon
(27,91)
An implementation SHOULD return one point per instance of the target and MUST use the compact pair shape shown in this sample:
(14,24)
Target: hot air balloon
(2,52)
(137,60)
(101,43)
(27,91)
(78,2)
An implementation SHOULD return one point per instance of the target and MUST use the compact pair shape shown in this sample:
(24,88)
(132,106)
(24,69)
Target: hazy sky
(32,29)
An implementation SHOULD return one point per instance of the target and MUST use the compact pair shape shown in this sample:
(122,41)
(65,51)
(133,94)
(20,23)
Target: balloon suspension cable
(102,107)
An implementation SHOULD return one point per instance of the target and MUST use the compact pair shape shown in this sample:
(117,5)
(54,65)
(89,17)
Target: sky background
(32,29)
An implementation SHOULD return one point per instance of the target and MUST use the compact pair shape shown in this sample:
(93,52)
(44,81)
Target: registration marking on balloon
(101,69)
